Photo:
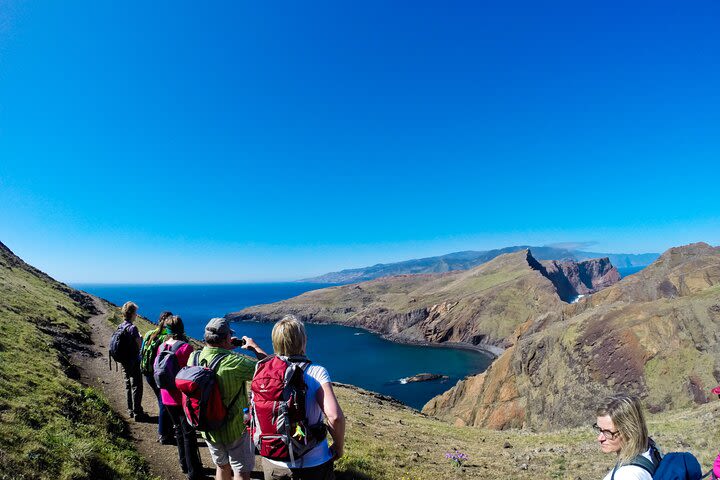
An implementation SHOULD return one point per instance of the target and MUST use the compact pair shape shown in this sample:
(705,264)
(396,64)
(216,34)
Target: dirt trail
(94,372)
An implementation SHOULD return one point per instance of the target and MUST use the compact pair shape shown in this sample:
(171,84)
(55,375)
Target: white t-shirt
(315,377)
(631,472)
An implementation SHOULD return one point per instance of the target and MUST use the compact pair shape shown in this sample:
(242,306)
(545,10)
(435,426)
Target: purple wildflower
(456,457)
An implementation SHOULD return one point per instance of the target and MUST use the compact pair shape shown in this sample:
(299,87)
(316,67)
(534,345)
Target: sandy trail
(94,372)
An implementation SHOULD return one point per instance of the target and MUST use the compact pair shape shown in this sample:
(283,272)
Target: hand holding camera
(248,343)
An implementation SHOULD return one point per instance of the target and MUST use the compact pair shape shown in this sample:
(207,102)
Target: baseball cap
(218,326)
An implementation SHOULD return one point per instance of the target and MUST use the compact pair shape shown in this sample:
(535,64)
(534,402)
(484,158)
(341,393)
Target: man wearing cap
(231,447)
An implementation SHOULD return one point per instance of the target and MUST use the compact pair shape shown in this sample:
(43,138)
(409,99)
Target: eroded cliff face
(572,279)
(654,334)
(490,399)
(482,306)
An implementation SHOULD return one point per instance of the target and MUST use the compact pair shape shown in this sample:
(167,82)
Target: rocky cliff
(572,279)
(483,306)
(654,334)
(470,259)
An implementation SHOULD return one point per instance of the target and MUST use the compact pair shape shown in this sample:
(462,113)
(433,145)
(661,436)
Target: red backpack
(201,397)
(279,426)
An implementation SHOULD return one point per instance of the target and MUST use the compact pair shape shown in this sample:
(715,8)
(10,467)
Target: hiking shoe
(142,417)
(169,440)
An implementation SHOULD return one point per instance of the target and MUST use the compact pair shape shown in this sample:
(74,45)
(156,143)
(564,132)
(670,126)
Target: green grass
(51,427)
(668,376)
(386,441)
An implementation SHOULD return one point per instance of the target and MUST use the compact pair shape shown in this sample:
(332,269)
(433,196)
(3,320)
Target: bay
(351,355)
(627,271)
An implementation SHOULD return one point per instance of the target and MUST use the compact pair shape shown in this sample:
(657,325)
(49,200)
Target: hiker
(230,446)
(148,352)
(131,362)
(622,430)
(290,341)
(176,343)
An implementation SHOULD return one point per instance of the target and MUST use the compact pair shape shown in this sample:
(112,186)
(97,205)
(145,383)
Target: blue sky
(242,141)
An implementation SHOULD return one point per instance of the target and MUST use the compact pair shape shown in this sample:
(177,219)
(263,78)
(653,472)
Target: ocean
(351,355)
(627,271)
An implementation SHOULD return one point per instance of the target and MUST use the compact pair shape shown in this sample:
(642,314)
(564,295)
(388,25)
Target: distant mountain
(482,306)
(653,333)
(470,259)
(620,260)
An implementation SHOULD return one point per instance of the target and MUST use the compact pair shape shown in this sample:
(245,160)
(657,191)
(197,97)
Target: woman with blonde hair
(622,430)
(290,340)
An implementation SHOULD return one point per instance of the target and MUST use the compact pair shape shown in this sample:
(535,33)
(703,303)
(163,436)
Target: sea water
(351,355)
(627,271)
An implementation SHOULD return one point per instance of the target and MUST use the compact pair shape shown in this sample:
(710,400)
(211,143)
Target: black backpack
(123,347)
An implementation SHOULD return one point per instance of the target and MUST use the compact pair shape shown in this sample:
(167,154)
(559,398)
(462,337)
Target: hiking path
(95,372)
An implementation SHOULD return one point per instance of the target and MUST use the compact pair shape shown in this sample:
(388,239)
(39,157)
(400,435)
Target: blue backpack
(673,466)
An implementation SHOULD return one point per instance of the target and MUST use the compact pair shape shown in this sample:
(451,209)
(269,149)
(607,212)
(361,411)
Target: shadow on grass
(352,474)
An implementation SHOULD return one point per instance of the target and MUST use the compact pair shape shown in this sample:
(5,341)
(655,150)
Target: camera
(238,342)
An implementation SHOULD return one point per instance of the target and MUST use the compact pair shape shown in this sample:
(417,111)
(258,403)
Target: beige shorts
(240,454)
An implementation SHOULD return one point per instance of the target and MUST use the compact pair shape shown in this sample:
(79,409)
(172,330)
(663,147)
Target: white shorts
(240,454)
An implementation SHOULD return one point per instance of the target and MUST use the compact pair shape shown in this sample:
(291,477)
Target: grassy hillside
(470,259)
(653,334)
(386,440)
(51,427)
(482,306)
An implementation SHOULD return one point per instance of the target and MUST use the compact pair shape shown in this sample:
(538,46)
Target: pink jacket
(174,397)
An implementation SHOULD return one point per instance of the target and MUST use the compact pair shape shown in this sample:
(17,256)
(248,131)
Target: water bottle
(246,417)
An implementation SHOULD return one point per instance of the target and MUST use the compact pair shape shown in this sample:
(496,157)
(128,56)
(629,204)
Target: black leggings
(186,442)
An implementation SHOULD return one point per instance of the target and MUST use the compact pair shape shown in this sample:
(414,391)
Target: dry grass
(386,440)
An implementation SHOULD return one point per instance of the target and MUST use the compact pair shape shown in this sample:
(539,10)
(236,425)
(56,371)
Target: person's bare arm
(336,419)
(253,347)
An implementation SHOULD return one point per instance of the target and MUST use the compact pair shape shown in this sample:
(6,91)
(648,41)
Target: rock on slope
(654,334)
(483,306)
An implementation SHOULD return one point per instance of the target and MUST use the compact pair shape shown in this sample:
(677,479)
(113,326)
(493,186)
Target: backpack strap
(639,461)
(644,463)
(214,365)
(194,360)
(216,362)
(301,360)
(176,346)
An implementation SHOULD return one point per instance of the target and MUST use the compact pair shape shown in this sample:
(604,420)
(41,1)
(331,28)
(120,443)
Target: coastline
(489,350)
